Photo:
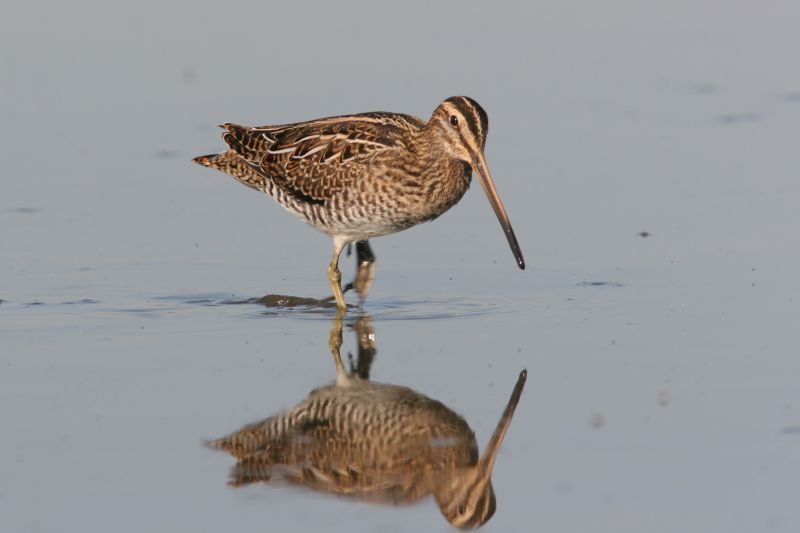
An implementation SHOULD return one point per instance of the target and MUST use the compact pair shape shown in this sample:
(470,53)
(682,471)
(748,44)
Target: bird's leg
(365,270)
(365,273)
(365,335)
(335,345)
(334,276)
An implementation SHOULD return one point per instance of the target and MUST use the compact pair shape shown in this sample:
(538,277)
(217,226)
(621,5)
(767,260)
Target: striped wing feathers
(320,158)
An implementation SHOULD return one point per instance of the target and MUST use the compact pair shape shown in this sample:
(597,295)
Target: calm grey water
(664,381)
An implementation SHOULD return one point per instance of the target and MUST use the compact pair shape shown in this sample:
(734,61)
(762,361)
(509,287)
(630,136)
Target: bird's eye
(453,120)
(461,508)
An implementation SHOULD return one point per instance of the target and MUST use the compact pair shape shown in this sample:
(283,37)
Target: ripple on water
(279,305)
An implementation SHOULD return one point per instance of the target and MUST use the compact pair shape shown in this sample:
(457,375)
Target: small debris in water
(644,234)
(188,73)
(663,398)
(597,421)
(599,284)
(564,487)
(703,88)
(738,118)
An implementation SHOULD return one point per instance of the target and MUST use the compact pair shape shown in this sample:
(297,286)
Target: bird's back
(344,175)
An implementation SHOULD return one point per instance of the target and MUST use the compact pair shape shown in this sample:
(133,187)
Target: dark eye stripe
(483,511)
(481,119)
(465,109)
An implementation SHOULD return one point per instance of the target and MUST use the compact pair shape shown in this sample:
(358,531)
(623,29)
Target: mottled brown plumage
(373,442)
(360,176)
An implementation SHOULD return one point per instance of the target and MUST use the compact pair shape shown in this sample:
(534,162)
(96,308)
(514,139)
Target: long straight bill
(485,177)
(490,453)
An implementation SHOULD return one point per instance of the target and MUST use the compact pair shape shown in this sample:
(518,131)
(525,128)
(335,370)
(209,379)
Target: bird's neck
(428,147)
(442,179)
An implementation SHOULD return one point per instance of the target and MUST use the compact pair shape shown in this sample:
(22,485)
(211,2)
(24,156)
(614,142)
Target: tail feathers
(242,140)
(244,442)
(206,160)
(231,163)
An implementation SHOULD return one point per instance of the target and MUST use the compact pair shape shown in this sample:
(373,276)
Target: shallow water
(647,158)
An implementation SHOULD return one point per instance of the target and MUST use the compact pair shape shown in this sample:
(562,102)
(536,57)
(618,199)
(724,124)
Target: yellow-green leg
(335,345)
(334,276)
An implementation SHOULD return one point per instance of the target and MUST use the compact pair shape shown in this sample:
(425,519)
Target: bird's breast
(443,187)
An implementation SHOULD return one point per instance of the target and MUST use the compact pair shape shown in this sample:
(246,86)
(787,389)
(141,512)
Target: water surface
(647,158)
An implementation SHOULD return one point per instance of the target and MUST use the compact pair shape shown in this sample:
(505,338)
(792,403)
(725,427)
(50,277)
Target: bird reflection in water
(373,442)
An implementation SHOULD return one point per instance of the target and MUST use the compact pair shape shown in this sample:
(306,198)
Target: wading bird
(355,177)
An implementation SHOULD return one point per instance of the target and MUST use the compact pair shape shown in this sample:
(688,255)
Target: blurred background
(646,153)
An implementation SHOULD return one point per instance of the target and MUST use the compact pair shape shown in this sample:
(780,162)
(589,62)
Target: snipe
(360,176)
(373,442)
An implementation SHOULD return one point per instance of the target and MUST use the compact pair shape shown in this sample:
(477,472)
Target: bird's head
(467,500)
(463,125)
